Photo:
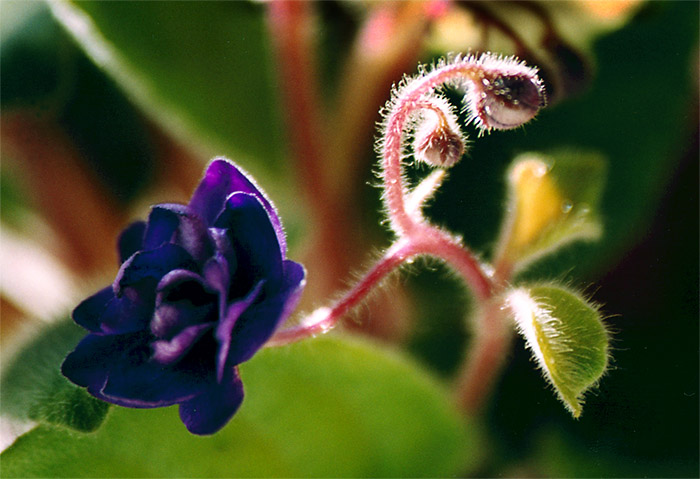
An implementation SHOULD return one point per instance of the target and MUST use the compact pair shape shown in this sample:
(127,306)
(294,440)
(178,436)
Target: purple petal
(222,179)
(161,226)
(87,314)
(255,326)
(295,281)
(131,240)
(218,276)
(254,240)
(178,224)
(127,313)
(87,365)
(167,352)
(117,369)
(182,300)
(152,264)
(210,411)
(225,250)
(135,380)
(226,324)
(105,313)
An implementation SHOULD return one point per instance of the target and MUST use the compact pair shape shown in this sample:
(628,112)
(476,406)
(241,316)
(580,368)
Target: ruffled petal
(211,410)
(221,179)
(131,240)
(118,369)
(225,248)
(217,274)
(87,313)
(136,380)
(183,299)
(169,351)
(257,249)
(161,227)
(105,313)
(225,327)
(152,265)
(294,283)
(173,223)
(87,364)
(127,313)
(257,324)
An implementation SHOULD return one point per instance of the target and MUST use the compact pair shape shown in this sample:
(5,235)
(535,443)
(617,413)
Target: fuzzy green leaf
(566,336)
(331,407)
(33,388)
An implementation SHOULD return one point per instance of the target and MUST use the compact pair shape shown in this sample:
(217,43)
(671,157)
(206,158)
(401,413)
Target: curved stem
(433,241)
(324,319)
(417,237)
(406,104)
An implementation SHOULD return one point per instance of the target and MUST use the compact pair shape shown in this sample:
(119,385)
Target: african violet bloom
(201,288)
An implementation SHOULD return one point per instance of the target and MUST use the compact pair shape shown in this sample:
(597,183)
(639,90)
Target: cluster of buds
(500,93)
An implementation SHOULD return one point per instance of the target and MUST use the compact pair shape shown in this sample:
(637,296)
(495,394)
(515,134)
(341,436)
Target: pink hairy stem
(501,94)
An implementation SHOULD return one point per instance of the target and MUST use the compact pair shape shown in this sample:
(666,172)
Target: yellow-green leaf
(553,200)
(566,336)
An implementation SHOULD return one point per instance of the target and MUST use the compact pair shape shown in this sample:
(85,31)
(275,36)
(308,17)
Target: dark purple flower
(201,288)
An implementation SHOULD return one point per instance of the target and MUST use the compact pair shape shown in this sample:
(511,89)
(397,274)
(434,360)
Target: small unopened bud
(438,140)
(506,94)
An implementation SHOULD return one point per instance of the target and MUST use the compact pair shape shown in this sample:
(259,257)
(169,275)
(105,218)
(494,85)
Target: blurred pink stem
(292,31)
(485,357)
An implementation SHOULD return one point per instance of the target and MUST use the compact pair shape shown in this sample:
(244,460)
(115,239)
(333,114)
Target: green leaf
(553,200)
(33,388)
(329,407)
(201,69)
(566,336)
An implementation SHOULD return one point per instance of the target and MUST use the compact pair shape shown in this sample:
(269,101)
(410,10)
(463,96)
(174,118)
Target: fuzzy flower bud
(438,140)
(505,94)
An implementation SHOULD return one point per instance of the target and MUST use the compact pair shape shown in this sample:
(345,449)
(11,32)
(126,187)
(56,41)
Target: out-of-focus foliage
(47,72)
(194,67)
(326,408)
(32,388)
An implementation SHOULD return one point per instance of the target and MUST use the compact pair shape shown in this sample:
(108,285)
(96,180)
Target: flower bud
(505,95)
(438,140)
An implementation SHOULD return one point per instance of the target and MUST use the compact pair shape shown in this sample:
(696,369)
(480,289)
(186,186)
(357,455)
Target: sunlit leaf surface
(325,407)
